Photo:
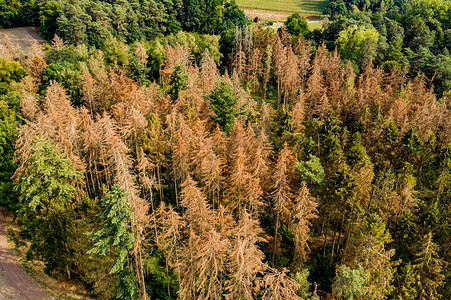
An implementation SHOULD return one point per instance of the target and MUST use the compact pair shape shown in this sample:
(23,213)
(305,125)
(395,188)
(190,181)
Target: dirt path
(14,281)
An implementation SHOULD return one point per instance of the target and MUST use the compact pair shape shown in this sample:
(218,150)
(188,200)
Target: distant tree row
(415,35)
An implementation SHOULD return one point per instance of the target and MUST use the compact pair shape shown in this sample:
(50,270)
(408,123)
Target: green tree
(116,236)
(45,193)
(202,16)
(312,172)
(358,43)
(304,286)
(404,283)
(48,15)
(9,71)
(428,266)
(223,102)
(297,25)
(67,74)
(367,249)
(178,82)
(9,124)
(349,283)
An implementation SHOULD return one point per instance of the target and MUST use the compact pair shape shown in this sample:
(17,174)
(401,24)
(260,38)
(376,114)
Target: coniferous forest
(176,150)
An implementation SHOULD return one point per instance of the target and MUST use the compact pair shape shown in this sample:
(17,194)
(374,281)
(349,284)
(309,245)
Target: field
(305,7)
(21,38)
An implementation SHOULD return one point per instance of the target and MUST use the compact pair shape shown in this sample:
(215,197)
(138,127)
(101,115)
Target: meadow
(305,7)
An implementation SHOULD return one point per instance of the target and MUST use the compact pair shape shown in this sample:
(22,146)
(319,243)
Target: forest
(176,150)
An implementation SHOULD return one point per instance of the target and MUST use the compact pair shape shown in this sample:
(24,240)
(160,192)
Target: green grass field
(306,7)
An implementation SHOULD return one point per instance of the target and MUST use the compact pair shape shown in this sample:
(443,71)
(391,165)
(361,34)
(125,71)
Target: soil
(14,281)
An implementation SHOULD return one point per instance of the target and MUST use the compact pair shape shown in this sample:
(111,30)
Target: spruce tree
(116,236)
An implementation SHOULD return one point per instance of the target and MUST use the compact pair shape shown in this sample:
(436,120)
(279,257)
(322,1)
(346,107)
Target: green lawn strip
(315,7)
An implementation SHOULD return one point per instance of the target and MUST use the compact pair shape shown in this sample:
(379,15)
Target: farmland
(305,7)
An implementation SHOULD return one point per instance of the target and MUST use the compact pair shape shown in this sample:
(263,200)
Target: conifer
(304,211)
(246,259)
(282,194)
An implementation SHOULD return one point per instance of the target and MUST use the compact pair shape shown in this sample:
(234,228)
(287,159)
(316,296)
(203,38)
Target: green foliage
(296,25)
(356,152)
(311,171)
(9,71)
(304,286)
(45,192)
(115,51)
(10,120)
(178,82)
(66,74)
(330,140)
(358,43)
(404,283)
(368,248)
(233,18)
(15,13)
(157,287)
(116,232)
(223,102)
(336,8)
(48,15)
(428,265)
(349,283)
(202,15)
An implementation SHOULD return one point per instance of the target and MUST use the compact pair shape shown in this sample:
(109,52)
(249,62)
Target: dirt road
(14,281)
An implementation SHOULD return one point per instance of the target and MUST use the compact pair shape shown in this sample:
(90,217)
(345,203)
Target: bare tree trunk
(167,278)
(159,184)
(325,239)
(347,237)
(278,92)
(275,240)
(332,252)
(341,231)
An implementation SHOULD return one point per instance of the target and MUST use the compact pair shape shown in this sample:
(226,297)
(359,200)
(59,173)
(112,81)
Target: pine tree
(279,58)
(428,266)
(290,77)
(281,191)
(404,283)
(368,249)
(279,286)
(304,211)
(254,68)
(246,258)
(46,190)
(212,256)
(267,68)
(116,233)
(349,283)
(223,103)
(198,214)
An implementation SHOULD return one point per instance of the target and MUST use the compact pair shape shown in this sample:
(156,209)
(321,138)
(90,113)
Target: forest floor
(15,283)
